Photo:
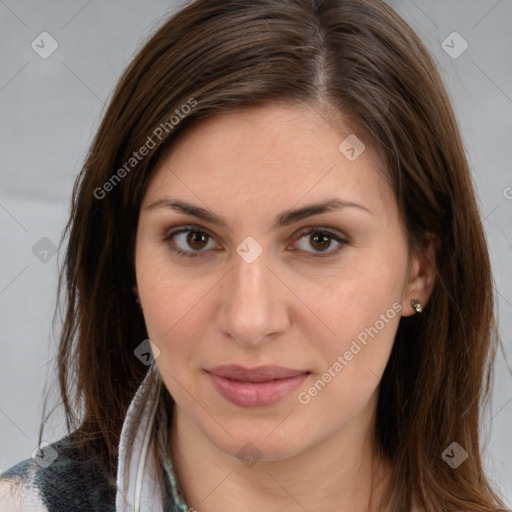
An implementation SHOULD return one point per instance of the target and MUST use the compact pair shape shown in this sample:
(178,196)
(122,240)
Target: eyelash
(316,230)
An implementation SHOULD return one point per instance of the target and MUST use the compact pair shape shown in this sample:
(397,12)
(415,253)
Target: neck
(338,474)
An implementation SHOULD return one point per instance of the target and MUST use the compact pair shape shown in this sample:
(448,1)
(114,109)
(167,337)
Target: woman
(278,198)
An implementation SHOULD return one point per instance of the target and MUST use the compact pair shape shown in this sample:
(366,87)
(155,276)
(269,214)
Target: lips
(255,387)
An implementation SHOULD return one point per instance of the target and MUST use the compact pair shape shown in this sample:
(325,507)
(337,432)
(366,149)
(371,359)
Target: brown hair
(360,59)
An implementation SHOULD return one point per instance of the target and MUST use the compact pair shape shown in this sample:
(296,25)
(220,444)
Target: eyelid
(184,228)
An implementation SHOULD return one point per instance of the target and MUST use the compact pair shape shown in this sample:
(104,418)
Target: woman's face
(274,323)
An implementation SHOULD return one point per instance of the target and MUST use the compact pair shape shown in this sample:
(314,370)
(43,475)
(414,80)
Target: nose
(254,303)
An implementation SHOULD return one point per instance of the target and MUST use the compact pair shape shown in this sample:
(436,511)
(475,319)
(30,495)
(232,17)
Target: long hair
(355,57)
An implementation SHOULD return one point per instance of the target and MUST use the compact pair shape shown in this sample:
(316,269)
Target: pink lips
(257,387)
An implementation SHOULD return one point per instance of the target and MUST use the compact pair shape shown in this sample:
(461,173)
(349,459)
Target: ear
(421,276)
(135,290)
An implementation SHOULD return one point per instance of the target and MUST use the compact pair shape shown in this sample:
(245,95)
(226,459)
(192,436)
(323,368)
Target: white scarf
(137,475)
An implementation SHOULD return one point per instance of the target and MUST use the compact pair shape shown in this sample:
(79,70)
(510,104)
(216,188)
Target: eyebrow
(285,218)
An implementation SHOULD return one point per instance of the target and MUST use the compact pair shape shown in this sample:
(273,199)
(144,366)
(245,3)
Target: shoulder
(17,490)
(61,479)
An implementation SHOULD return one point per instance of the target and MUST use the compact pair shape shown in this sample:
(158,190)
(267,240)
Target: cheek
(173,322)
(360,312)
(355,358)
(165,300)
(177,313)
(350,302)
(174,316)
(167,296)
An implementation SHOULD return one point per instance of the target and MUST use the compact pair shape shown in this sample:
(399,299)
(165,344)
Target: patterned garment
(71,484)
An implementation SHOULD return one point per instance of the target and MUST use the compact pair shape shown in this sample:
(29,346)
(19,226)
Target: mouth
(255,387)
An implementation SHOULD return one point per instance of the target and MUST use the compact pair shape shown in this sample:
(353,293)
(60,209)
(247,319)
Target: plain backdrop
(50,108)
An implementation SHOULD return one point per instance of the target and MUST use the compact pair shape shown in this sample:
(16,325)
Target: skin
(289,307)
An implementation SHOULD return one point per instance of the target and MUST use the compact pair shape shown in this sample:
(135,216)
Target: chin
(265,440)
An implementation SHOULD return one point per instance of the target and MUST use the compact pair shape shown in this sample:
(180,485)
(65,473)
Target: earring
(417,306)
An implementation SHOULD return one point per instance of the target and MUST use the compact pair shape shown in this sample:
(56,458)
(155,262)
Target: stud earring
(417,306)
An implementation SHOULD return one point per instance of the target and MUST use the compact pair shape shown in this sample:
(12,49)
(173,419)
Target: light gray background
(50,108)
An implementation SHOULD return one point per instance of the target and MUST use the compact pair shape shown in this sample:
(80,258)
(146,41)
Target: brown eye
(321,240)
(197,240)
(189,241)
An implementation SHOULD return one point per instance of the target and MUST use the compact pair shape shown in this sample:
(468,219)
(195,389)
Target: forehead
(262,155)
